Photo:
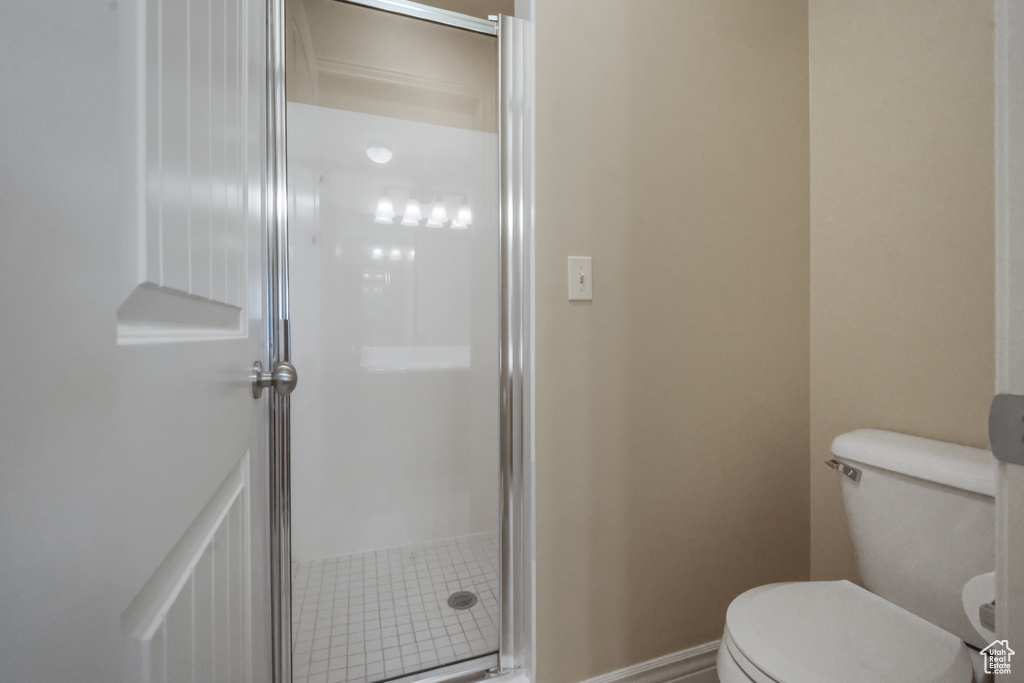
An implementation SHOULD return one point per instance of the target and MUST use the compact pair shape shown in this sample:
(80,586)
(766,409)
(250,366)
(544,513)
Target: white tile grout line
(381,614)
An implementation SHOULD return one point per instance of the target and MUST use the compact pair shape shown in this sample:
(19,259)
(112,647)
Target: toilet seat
(837,632)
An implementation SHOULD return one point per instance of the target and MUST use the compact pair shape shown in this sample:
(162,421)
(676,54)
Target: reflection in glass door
(393,182)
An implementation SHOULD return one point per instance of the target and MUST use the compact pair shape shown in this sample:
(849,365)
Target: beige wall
(672,411)
(902,195)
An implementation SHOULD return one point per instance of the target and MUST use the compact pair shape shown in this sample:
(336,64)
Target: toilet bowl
(921,516)
(810,632)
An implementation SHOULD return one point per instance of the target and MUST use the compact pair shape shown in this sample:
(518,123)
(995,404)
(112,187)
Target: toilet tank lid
(962,467)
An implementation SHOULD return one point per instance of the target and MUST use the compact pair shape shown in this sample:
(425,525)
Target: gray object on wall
(1006,428)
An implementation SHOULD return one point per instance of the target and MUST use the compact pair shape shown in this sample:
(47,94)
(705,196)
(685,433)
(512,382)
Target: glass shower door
(393,182)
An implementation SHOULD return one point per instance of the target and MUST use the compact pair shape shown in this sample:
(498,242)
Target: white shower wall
(395,330)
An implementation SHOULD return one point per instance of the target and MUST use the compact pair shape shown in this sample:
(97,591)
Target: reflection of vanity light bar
(377,253)
(411,256)
(463,219)
(413,214)
(395,255)
(438,216)
(385,210)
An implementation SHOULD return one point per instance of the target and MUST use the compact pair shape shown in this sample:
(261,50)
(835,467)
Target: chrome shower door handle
(283,378)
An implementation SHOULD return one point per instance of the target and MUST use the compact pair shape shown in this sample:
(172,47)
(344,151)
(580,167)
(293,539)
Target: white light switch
(580,276)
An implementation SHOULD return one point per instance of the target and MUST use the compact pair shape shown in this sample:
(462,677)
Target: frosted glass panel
(396,329)
(395,324)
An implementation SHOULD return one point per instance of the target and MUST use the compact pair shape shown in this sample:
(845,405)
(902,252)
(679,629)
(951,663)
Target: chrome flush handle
(851,472)
(283,378)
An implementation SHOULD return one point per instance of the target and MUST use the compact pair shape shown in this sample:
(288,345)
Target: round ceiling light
(379,155)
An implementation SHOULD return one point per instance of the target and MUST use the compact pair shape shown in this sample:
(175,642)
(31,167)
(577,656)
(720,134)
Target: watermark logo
(997,657)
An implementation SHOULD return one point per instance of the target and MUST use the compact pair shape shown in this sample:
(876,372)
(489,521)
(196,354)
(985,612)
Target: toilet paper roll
(977,592)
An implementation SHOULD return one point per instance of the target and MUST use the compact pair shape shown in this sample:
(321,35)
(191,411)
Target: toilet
(922,518)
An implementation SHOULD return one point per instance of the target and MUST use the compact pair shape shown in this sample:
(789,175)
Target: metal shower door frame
(515,134)
(279,346)
(516,143)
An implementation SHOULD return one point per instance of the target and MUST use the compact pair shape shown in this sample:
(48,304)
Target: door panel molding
(194,610)
(184,163)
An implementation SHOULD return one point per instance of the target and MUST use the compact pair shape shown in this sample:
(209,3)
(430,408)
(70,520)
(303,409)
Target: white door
(1009,154)
(132,467)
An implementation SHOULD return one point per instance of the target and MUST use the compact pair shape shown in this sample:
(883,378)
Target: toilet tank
(922,518)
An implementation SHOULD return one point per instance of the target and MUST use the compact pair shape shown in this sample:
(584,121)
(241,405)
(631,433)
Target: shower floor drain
(461,600)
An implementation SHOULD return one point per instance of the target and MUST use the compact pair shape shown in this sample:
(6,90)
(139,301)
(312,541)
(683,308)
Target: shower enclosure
(406,247)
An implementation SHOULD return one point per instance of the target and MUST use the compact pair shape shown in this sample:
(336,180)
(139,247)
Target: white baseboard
(695,665)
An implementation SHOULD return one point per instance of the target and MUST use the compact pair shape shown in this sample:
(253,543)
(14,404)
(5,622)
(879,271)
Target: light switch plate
(580,275)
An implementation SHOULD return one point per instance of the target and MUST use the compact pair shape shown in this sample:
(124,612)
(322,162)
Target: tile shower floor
(383,614)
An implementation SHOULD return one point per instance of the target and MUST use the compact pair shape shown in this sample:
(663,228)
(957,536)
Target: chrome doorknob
(283,378)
